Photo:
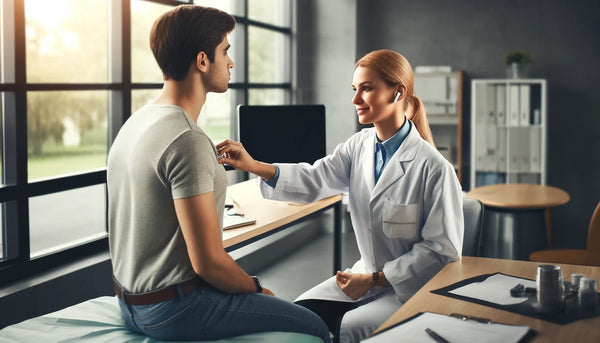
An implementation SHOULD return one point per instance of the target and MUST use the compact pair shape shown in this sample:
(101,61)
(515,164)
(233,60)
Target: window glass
(140,97)
(66,132)
(144,68)
(236,52)
(65,219)
(233,7)
(66,40)
(216,114)
(2,256)
(1,138)
(275,96)
(275,12)
(266,62)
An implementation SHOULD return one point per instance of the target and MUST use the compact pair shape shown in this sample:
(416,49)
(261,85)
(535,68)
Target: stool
(516,217)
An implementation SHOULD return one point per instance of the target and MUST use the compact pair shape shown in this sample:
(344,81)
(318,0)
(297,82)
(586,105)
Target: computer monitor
(283,133)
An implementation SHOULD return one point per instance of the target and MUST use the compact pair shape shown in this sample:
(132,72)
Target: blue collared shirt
(385,150)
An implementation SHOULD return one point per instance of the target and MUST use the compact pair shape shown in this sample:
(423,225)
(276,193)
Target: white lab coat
(408,225)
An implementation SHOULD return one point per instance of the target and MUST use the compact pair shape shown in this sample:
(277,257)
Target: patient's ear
(202,61)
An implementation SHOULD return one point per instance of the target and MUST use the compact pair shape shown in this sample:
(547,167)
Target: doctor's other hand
(353,285)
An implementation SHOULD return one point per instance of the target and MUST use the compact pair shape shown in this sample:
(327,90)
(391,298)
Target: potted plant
(516,63)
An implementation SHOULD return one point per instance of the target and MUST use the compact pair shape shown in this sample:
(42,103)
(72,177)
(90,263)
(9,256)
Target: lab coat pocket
(400,221)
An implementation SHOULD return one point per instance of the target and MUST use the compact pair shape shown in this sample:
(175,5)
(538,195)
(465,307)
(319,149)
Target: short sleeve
(189,165)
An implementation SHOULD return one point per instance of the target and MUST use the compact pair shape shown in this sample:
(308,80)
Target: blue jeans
(208,314)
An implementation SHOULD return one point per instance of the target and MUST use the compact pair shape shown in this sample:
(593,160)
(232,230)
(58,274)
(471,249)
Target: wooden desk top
(586,330)
(269,214)
(519,196)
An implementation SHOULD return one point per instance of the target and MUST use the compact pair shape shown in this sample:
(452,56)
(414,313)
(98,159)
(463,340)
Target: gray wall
(324,60)
(564,38)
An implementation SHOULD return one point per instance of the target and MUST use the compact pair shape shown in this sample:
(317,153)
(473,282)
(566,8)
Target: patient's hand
(353,285)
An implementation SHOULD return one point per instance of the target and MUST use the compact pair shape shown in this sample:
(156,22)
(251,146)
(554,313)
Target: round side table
(517,218)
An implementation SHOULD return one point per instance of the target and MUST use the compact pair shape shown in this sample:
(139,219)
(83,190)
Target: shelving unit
(508,131)
(441,93)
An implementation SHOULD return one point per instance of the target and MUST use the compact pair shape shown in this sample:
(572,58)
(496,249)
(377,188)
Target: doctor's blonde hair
(394,69)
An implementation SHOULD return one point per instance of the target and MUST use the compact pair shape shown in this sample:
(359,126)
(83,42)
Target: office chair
(473,213)
(590,256)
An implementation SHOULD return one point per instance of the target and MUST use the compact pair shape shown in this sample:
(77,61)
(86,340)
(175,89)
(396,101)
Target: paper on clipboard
(235,221)
(452,329)
(495,289)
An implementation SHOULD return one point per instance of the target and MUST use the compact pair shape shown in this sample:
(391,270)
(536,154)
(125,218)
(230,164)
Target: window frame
(16,189)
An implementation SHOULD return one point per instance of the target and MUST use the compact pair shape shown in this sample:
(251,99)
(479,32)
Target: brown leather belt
(159,295)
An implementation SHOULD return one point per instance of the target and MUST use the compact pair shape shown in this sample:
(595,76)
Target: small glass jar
(587,293)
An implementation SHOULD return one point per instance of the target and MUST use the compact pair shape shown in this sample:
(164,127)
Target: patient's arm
(199,223)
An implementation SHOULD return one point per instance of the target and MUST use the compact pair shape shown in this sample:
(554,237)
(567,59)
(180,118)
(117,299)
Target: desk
(586,330)
(516,216)
(273,216)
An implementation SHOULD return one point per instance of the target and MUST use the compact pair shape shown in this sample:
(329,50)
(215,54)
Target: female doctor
(405,200)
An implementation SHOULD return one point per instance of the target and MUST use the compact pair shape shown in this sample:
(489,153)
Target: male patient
(166,199)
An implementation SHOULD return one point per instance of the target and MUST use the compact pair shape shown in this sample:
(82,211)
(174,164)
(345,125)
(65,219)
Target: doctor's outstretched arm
(234,154)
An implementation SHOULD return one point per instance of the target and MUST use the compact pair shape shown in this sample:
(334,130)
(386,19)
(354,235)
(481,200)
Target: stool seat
(520,196)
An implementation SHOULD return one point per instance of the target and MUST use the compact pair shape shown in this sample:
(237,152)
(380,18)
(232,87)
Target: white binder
(490,102)
(491,161)
(480,147)
(535,149)
(524,105)
(500,105)
(501,150)
(481,108)
(513,106)
(525,149)
(513,154)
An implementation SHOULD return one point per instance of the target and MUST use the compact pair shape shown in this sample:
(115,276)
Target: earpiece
(397,96)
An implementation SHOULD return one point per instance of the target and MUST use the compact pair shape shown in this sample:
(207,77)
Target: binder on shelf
(524,105)
(500,104)
(501,150)
(513,154)
(537,117)
(536,149)
(480,103)
(480,147)
(490,103)
(491,161)
(512,118)
(525,150)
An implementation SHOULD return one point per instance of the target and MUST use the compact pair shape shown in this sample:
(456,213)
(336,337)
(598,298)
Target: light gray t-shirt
(159,155)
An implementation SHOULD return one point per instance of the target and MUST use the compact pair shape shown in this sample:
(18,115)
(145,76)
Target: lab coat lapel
(368,161)
(396,167)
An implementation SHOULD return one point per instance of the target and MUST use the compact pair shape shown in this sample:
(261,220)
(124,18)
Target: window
(71,72)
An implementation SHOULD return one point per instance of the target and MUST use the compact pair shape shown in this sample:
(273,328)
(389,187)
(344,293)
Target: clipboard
(453,328)
(570,313)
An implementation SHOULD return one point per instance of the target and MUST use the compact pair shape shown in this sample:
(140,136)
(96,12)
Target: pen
(467,317)
(435,336)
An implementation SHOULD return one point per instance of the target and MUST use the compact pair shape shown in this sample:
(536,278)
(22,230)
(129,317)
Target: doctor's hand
(234,154)
(353,285)
(267,292)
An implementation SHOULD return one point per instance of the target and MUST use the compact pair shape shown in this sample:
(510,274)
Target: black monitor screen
(286,134)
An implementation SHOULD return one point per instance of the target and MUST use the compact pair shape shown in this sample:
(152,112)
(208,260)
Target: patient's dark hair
(180,34)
